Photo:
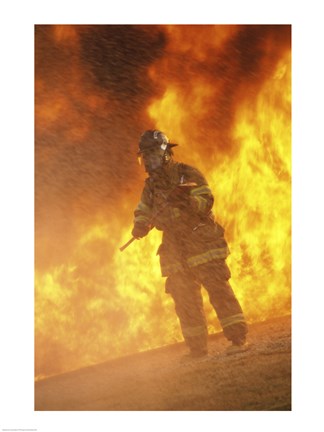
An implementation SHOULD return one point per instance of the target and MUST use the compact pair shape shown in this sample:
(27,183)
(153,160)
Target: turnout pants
(185,289)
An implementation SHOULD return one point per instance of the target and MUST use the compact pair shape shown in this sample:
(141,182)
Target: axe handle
(127,244)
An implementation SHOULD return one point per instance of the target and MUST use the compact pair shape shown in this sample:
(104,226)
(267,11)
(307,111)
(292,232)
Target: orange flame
(252,188)
(99,303)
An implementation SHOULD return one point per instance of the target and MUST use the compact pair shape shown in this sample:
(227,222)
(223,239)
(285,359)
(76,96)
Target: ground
(159,380)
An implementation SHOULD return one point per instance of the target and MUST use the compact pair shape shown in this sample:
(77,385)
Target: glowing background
(224,94)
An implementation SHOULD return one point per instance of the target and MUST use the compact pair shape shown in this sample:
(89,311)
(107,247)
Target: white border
(17,207)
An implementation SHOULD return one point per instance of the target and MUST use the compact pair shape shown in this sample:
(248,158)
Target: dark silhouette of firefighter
(177,200)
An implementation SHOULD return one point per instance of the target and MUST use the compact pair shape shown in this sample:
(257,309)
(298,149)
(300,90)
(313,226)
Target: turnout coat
(191,235)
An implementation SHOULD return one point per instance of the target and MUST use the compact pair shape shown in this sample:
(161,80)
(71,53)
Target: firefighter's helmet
(155,149)
(154,139)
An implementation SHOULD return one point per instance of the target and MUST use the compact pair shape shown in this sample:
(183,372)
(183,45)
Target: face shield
(152,158)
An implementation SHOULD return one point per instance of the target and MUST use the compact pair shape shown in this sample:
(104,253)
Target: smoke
(231,63)
(118,57)
(97,88)
(93,87)
(91,93)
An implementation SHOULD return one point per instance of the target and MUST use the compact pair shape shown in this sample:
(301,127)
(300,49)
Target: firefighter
(177,200)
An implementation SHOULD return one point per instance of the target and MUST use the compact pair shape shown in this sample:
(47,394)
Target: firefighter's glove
(179,197)
(140,230)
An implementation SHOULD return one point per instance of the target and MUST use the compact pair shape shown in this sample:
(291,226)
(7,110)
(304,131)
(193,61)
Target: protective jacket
(191,236)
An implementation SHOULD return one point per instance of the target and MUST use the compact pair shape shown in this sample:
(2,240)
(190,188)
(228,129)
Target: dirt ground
(159,380)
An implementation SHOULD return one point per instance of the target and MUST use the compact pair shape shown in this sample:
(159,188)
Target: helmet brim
(169,145)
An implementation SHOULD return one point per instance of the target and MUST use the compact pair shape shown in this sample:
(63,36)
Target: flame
(252,186)
(92,302)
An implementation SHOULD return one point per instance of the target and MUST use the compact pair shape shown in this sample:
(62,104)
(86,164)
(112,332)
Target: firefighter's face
(152,159)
